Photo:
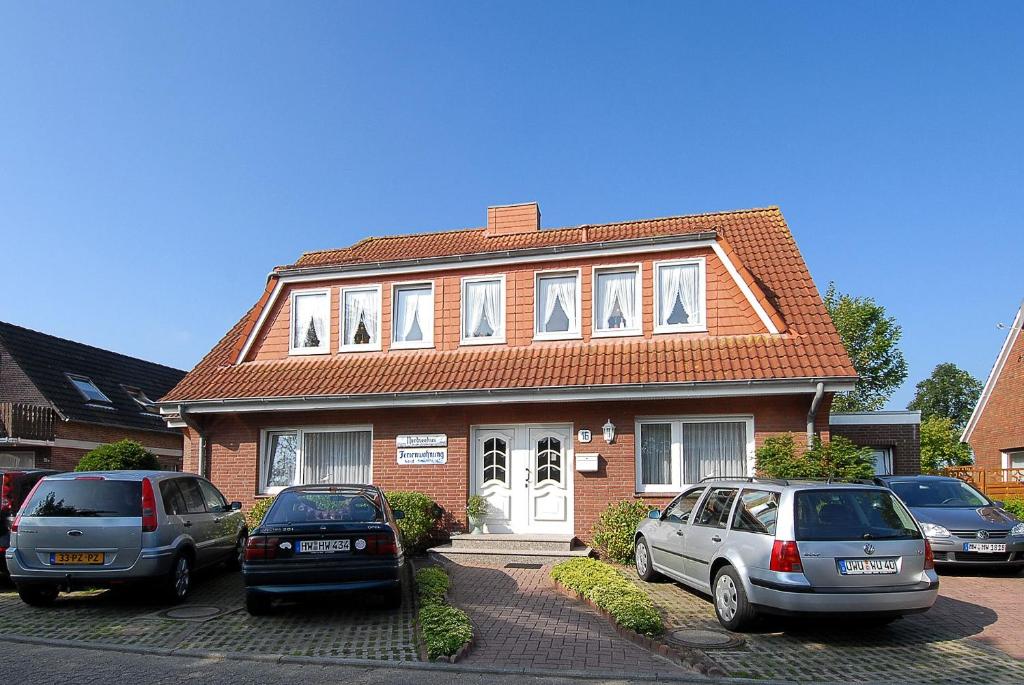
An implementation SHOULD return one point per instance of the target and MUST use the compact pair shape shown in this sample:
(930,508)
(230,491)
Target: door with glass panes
(525,474)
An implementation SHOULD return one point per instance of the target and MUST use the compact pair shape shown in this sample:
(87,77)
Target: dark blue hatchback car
(325,540)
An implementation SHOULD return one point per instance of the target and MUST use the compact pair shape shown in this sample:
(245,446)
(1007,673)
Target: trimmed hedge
(432,583)
(421,517)
(1015,505)
(123,455)
(445,629)
(614,532)
(254,517)
(604,586)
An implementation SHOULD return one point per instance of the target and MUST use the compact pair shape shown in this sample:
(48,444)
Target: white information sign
(422,455)
(427,440)
(583,435)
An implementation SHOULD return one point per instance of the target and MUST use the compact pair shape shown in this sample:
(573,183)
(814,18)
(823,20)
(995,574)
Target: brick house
(552,371)
(893,436)
(995,430)
(59,399)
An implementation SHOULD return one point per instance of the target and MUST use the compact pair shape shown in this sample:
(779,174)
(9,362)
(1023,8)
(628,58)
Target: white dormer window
(483,310)
(412,316)
(557,305)
(617,303)
(360,318)
(679,296)
(87,388)
(311,322)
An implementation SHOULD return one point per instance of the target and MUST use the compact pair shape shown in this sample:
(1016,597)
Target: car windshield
(86,498)
(939,493)
(852,515)
(312,507)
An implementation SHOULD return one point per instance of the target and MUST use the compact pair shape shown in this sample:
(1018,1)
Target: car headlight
(933,530)
(1018,531)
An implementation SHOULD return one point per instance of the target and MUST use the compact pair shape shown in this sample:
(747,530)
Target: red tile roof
(758,239)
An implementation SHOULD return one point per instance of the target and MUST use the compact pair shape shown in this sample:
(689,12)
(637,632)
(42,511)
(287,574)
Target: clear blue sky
(158,159)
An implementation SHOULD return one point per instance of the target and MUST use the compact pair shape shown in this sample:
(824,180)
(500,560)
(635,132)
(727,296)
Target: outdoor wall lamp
(609,431)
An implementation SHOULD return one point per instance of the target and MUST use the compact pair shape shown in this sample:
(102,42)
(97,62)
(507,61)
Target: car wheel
(238,554)
(644,565)
(38,595)
(256,605)
(732,607)
(179,582)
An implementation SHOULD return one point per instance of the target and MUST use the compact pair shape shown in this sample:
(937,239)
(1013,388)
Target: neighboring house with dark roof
(552,371)
(60,398)
(995,430)
(893,436)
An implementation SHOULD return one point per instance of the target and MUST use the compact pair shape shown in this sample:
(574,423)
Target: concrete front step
(514,543)
(489,555)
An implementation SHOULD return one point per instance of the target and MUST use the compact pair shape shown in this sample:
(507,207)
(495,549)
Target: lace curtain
(713,449)
(361,306)
(617,300)
(656,453)
(558,291)
(309,326)
(336,457)
(678,295)
(483,309)
(414,315)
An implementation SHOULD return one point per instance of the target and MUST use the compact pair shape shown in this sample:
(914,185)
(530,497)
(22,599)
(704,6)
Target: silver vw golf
(791,547)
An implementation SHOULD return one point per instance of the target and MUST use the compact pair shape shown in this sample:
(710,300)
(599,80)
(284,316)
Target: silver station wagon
(112,528)
(791,547)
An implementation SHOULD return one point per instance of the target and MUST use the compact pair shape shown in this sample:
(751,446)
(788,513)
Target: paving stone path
(955,642)
(520,621)
(342,628)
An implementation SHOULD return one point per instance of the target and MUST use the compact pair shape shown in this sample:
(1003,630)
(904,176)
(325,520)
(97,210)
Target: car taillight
(380,544)
(17,519)
(929,556)
(786,557)
(259,547)
(149,518)
(7,492)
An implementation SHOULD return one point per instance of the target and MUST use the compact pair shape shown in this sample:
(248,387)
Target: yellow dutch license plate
(76,558)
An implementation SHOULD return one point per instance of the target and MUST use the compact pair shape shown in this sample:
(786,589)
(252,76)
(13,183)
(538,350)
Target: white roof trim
(993,376)
(745,289)
(642,391)
(875,418)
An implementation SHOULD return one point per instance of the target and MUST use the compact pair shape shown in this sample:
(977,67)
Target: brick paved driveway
(346,628)
(956,641)
(521,621)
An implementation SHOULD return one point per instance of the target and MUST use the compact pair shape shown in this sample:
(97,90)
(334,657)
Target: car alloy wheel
(641,559)
(182,577)
(725,597)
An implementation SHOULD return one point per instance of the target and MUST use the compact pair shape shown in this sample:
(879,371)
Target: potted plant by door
(476,509)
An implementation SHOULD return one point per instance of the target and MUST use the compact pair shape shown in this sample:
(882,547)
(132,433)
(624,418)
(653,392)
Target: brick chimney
(513,219)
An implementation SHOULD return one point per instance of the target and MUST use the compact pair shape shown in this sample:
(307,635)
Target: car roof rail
(745,479)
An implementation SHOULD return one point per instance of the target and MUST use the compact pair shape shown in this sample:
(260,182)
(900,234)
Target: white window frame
(72,377)
(595,316)
(558,335)
(300,432)
(495,339)
(702,279)
(1008,456)
(325,344)
(428,341)
(676,486)
(372,347)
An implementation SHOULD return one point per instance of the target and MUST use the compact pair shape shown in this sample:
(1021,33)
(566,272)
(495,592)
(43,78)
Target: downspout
(812,414)
(203,465)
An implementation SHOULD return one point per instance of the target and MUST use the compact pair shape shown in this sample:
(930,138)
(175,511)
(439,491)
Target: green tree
(941,446)
(124,455)
(950,392)
(872,340)
(839,459)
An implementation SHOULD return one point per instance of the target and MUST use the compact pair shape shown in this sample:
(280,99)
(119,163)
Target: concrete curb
(371,664)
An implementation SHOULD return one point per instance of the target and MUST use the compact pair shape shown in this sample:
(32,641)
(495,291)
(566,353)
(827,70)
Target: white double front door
(525,472)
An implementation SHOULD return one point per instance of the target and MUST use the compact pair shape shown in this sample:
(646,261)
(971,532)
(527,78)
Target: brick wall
(233,442)
(728,311)
(1001,424)
(903,439)
(66,458)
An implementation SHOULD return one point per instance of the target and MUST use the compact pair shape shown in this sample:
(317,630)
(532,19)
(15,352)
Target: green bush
(255,515)
(604,586)
(124,455)
(613,533)
(431,584)
(1015,505)
(839,459)
(444,628)
(421,517)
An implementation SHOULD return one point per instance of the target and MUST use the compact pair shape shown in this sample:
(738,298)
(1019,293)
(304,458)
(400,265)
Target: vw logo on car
(982,535)
(869,549)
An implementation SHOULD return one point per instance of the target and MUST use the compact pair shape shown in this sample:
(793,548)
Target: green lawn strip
(445,629)
(603,585)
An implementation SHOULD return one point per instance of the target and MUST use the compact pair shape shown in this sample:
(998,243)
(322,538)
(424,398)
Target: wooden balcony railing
(996,483)
(26,421)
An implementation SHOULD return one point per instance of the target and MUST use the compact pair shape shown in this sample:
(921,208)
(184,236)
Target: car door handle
(716,538)
(680,533)
(187,524)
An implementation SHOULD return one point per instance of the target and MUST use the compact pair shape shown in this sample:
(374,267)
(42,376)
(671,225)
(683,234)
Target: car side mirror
(399,514)
(236,506)
(654,514)
(999,504)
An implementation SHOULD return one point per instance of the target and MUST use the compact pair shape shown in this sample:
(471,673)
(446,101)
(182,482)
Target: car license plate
(76,558)
(990,547)
(322,546)
(868,567)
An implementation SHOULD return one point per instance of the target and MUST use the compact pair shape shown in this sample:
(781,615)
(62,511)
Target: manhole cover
(703,639)
(192,613)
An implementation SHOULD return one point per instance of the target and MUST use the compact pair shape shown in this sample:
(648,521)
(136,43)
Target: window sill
(617,333)
(661,330)
(359,348)
(307,353)
(659,491)
(482,341)
(411,346)
(546,337)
